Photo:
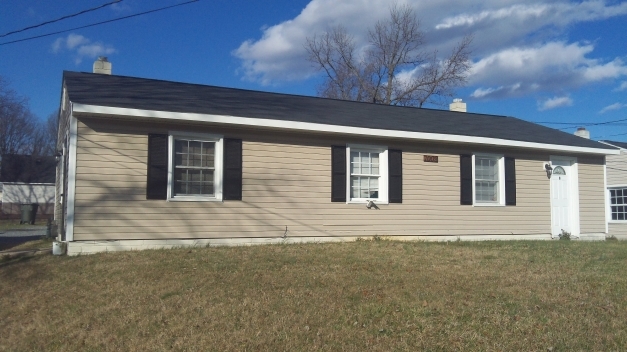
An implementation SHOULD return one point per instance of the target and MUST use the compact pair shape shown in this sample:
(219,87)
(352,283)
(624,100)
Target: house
(27,179)
(149,163)
(616,183)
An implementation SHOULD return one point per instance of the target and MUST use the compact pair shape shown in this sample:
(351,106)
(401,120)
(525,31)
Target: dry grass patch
(374,295)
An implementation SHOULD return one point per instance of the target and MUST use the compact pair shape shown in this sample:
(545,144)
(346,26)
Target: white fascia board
(612,145)
(78,109)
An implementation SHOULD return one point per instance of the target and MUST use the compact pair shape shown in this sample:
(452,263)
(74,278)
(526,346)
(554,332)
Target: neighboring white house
(27,179)
(616,183)
(16,193)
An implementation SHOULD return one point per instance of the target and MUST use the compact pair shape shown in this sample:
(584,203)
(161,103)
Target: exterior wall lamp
(58,155)
(549,170)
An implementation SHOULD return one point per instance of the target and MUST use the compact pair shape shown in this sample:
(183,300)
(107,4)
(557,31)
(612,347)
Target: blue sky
(539,60)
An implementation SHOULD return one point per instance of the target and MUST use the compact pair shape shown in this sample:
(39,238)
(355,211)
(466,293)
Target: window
(367,174)
(487,180)
(618,203)
(489,187)
(195,167)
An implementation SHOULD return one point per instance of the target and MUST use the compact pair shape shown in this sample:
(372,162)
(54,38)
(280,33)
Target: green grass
(366,295)
(14,224)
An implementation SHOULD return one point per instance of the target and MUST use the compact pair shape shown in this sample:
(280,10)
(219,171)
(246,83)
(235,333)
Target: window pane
(193,188)
(195,160)
(208,152)
(207,176)
(207,188)
(354,187)
(193,175)
(180,174)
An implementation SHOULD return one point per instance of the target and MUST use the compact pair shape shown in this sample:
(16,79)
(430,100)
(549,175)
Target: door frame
(573,194)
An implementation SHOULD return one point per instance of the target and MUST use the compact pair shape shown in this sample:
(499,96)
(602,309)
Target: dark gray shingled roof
(150,94)
(618,144)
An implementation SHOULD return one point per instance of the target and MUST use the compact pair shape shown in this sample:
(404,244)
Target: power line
(580,123)
(99,23)
(59,19)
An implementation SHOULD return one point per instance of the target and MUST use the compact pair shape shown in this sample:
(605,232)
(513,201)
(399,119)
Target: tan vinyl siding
(618,230)
(617,169)
(286,183)
(591,195)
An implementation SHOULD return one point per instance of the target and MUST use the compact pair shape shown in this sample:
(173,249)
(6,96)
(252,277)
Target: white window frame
(217,173)
(609,204)
(501,195)
(383,173)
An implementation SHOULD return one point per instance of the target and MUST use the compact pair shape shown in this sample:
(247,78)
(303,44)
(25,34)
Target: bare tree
(45,136)
(396,45)
(17,123)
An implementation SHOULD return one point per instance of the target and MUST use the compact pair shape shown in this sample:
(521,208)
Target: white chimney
(457,105)
(582,132)
(102,66)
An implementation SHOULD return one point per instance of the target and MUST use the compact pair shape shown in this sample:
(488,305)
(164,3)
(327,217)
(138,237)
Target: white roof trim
(610,144)
(307,126)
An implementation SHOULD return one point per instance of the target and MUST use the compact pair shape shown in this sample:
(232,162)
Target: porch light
(549,170)
(58,155)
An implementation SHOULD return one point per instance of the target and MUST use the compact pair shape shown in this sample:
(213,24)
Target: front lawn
(366,295)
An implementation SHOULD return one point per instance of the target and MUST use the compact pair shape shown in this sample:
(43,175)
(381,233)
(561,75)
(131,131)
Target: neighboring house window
(487,179)
(618,203)
(195,167)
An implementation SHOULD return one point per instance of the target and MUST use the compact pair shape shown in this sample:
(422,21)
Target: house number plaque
(431,159)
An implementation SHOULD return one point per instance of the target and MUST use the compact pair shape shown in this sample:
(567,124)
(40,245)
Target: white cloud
(555,102)
(615,106)
(82,47)
(500,27)
(558,13)
(623,86)
(74,40)
(552,66)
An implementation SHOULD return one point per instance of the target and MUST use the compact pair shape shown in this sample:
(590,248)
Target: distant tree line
(21,132)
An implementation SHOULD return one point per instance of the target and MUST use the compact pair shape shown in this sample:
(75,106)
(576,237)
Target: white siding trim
(307,126)
(71,180)
(89,247)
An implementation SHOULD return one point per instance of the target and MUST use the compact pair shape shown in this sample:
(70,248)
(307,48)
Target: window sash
(195,167)
(366,173)
(487,179)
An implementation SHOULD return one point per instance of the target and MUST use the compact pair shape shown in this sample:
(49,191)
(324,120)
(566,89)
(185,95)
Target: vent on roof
(457,105)
(102,65)
(582,132)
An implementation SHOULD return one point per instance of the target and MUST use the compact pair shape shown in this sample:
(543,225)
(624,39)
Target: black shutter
(232,182)
(395,175)
(465,173)
(510,181)
(157,181)
(338,173)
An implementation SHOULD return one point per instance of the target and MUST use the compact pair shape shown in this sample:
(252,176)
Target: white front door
(560,197)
